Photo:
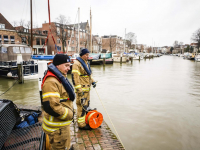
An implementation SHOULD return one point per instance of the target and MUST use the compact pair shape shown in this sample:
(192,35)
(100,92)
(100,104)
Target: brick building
(8,35)
(70,41)
(21,35)
(113,43)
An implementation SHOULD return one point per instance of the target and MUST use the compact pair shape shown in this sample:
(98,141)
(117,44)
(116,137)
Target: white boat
(155,55)
(197,58)
(137,57)
(117,59)
(9,54)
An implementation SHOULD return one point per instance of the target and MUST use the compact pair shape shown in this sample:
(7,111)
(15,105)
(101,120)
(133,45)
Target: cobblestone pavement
(101,138)
(95,139)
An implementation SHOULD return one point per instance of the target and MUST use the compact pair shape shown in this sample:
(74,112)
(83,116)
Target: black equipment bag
(9,117)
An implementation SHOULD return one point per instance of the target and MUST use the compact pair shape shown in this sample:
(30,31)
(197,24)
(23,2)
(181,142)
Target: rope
(109,118)
(9,88)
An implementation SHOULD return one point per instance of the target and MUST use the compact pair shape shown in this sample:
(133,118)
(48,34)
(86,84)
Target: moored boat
(13,54)
(197,58)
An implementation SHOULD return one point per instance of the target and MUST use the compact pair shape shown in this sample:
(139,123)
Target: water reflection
(154,104)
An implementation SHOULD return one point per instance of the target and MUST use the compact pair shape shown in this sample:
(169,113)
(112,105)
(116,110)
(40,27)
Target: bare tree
(175,44)
(196,38)
(130,39)
(97,40)
(60,29)
(112,43)
(23,31)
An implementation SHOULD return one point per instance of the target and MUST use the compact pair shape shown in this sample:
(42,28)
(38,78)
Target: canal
(154,104)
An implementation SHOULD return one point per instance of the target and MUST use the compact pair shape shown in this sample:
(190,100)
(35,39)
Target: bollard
(20,73)
(131,59)
(104,61)
(121,60)
(139,58)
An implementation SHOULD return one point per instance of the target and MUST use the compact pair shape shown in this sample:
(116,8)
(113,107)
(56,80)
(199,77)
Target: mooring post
(20,73)
(121,59)
(104,59)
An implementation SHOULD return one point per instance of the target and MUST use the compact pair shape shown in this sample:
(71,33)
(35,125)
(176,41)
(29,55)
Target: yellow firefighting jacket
(81,80)
(54,92)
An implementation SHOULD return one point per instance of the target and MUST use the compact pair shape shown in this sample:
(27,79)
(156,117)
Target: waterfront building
(21,35)
(112,43)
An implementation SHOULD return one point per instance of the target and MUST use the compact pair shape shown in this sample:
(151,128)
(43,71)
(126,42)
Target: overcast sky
(155,22)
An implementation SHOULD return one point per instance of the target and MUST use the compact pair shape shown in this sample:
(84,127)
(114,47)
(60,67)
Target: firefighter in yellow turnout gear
(82,80)
(57,100)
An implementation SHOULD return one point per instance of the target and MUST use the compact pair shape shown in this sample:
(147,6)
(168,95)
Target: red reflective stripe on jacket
(49,74)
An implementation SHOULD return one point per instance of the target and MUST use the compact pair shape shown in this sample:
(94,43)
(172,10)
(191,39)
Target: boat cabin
(9,53)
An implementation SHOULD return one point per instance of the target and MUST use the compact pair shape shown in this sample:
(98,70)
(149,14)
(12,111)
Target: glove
(94,84)
(81,94)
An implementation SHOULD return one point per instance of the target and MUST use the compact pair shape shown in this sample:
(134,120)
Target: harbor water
(154,104)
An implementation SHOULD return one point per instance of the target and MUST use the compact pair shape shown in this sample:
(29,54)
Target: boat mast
(91,31)
(78,27)
(125,41)
(31,24)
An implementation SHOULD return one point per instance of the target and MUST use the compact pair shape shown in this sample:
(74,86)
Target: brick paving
(95,139)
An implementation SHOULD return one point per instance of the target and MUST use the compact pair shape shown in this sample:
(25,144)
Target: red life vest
(49,74)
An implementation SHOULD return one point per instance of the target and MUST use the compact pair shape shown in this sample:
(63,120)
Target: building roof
(83,25)
(3,20)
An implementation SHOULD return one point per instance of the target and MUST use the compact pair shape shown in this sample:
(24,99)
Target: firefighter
(82,80)
(57,101)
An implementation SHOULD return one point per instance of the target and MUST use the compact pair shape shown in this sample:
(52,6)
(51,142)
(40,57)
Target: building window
(72,33)
(72,42)
(41,51)
(58,48)
(81,35)
(43,41)
(68,33)
(0,39)
(45,32)
(58,30)
(72,48)
(12,39)
(37,41)
(58,41)
(2,26)
(24,40)
(5,38)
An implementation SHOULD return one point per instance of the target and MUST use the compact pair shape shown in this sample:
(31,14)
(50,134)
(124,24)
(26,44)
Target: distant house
(21,35)
(71,42)
(113,43)
(8,34)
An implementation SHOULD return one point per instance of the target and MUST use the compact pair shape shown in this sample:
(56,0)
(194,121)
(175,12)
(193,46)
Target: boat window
(16,50)
(3,50)
(22,50)
(28,50)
